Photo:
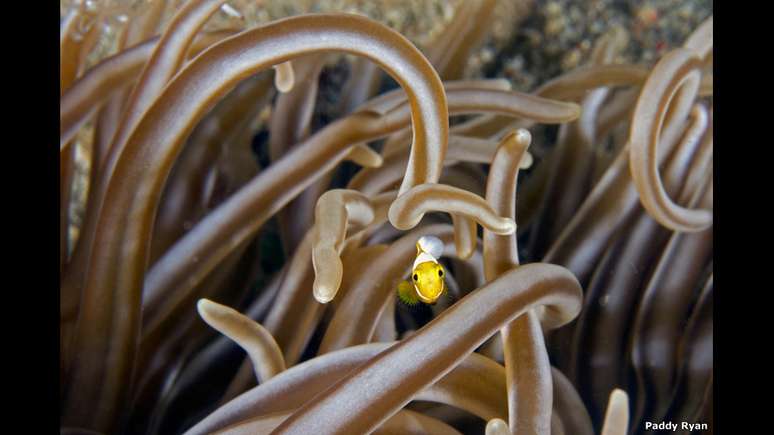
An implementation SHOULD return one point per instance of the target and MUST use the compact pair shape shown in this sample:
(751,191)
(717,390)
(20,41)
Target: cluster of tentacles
(609,324)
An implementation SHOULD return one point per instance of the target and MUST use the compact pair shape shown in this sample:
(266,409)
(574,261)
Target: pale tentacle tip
(284,77)
(576,109)
(619,396)
(231,11)
(204,304)
(508,227)
(364,156)
(325,288)
(323,294)
(617,414)
(497,426)
(526,161)
(207,308)
(523,135)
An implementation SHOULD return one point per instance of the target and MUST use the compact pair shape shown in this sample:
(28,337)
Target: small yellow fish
(427,277)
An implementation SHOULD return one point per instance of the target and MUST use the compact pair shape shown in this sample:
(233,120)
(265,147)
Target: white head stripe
(422,258)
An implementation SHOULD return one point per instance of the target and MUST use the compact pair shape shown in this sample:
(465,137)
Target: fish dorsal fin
(431,245)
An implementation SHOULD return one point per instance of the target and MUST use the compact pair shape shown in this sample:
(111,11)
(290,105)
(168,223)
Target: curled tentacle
(701,40)
(375,390)
(336,210)
(114,277)
(677,72)
(295,386)
(408,209)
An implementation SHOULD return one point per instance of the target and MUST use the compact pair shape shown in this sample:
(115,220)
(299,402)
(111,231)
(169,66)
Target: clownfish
(427,282)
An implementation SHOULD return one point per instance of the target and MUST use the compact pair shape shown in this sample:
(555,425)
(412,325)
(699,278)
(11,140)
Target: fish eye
(416,278)
(440,272)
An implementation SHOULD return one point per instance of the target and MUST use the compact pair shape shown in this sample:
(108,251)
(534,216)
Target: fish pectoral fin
(407,294)
(445,293)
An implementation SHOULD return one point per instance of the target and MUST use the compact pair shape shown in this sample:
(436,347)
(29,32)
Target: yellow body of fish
(427,277)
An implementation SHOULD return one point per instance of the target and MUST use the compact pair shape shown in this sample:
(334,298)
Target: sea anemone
(234,184)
